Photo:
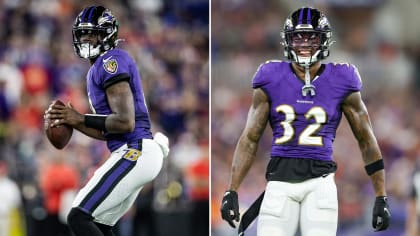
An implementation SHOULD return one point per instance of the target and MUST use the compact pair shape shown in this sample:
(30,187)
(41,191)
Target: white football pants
(313,204)
(115,185)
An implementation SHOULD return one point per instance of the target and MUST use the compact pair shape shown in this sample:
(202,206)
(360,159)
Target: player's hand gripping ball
(59,135)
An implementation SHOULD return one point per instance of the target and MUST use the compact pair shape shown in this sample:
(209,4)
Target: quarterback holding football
(119,116)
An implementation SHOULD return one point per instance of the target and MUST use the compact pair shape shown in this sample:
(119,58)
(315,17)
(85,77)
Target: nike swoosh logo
(224,203)
(106,60)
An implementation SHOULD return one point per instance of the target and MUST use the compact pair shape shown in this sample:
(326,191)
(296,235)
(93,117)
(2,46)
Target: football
(60,135)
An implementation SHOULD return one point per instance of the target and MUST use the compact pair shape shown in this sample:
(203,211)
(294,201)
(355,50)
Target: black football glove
(230,207)
(381,214)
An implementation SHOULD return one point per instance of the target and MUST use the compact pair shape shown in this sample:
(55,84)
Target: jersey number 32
(308,135)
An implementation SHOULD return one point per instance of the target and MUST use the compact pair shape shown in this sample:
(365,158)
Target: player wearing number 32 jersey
(304,126)
(303,101)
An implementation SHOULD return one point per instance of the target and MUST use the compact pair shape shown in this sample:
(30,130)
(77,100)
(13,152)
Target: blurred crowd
(382,38)
(170,42)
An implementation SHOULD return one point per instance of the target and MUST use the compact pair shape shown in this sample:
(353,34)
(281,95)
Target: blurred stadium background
(170,41)
(382,38)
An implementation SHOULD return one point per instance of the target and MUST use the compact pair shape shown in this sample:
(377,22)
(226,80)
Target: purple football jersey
(305,126)
(114,66)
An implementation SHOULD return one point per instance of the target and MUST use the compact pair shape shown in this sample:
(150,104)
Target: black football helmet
(309,21)
(99,21)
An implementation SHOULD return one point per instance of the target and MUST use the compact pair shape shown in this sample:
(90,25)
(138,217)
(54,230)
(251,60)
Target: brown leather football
(60,135)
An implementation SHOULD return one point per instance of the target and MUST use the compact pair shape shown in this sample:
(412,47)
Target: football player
(303,101)
(119,116)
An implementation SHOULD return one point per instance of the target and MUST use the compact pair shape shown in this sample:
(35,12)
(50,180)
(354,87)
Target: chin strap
(308,87)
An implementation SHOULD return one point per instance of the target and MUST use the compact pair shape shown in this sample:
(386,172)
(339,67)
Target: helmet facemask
(305,47)
(86,49)
(312,32)
(102,25)
(306,39)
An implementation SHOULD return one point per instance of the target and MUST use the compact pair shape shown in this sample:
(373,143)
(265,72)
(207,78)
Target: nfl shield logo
(111,66)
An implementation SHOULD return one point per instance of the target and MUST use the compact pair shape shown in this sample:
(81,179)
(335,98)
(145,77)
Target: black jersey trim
(116,79)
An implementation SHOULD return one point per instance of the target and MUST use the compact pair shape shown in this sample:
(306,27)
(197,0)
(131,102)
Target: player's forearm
(242,160)
(378,183)
(371,154)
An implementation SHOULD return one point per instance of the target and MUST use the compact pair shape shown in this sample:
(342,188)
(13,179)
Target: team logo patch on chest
(110,66)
